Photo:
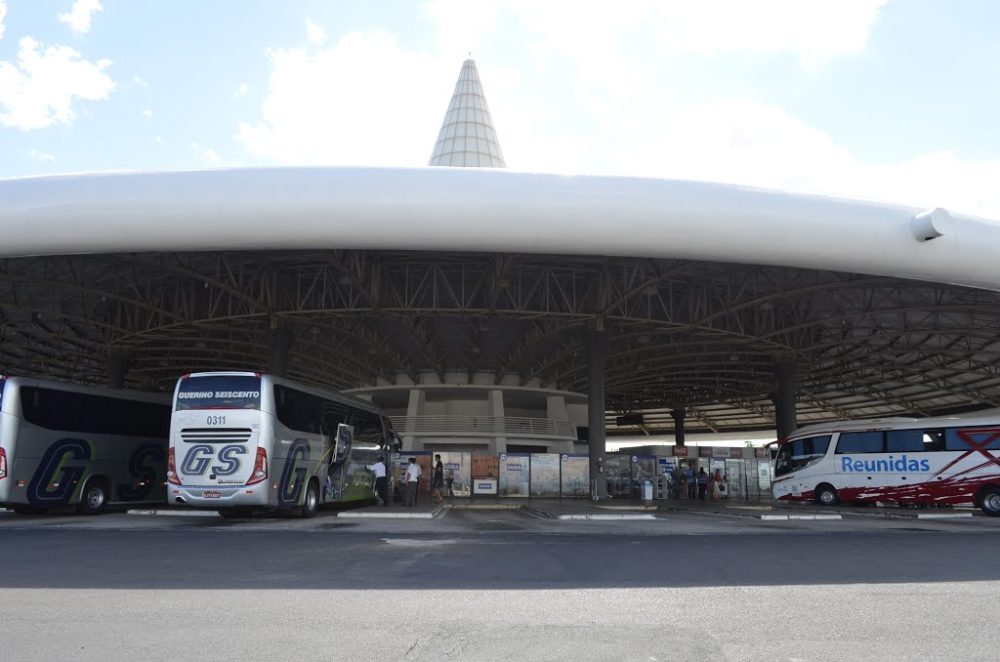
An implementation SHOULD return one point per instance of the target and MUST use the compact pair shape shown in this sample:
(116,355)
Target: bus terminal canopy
(378,273)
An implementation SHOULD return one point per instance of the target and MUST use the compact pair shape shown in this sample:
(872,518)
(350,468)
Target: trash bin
(647,490)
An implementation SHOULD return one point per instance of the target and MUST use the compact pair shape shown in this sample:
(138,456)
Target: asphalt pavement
(497,584)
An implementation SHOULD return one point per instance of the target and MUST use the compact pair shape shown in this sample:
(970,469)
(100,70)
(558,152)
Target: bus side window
(933,440)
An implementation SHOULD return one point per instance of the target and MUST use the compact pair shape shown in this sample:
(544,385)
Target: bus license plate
(211,494)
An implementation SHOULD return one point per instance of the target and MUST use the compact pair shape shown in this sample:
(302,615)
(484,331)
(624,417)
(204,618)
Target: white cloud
(363,101)
(40,89)
(242,89)
(38,155)
(3,13)
(159,140)
(207,155)
(813,30)
(315,32)
(147,113)
(744,142)
(139,81)
(79,16)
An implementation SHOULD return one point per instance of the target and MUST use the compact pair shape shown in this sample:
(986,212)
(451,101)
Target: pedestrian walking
(437,480)
(412,480)
(702,483)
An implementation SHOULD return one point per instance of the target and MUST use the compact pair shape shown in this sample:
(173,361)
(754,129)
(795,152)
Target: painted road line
(815,517)
(773,517)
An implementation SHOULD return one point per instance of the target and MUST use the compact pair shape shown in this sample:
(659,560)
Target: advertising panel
(616,469)
(544,474)
(457,473)
(515,474)
(643,469)
(575,480)
(485,469)
(680,451)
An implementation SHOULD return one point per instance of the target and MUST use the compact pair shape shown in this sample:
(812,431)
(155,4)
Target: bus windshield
(799,453)
(219,392)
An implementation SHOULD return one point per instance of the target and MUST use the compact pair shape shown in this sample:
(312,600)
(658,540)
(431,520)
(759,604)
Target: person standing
(437,480)
(702,483)
(381,484)
(715,486)
(412,480)
(690,483)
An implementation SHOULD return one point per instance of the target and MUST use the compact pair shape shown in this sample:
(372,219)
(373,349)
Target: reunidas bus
(929,461)
(241,441)
(65,445)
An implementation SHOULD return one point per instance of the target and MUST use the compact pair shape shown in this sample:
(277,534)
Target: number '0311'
(216,420)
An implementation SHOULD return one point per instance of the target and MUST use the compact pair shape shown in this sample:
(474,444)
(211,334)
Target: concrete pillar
(497,411)
(597,353)
(415,407)
(784,395)
(678,416)
(281,345)
(118,365)
(555,408)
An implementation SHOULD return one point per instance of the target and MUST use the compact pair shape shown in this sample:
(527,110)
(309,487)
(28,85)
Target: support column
(597,353)
(281,345)
(415,407)
(118,365)
(678,416)
(497,411)
(784,395)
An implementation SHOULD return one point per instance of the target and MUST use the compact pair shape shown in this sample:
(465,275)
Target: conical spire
(467,136)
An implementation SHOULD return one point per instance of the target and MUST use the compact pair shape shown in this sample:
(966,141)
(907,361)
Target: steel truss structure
(702,336)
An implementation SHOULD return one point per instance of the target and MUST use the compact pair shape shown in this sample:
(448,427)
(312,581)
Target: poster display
(457,473)
(485,469)
(515,474)
(643,468)
(575,480)
(617,469)
(544,474)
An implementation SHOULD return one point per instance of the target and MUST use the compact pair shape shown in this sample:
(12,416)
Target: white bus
(928,461)
(63,445)
(241,441)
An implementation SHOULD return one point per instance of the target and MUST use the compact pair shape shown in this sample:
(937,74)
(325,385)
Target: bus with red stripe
(907,461)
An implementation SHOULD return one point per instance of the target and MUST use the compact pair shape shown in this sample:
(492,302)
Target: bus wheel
(989,501)
(312,501)
(826,495)
(93,498)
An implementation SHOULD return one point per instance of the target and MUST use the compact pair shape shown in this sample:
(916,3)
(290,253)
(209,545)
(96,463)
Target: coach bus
(241,441)
(75,446)
(927,461)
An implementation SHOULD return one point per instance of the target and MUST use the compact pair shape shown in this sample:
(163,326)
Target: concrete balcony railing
(487,426)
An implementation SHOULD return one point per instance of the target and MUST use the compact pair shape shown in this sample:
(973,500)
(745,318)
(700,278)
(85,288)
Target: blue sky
(893,100)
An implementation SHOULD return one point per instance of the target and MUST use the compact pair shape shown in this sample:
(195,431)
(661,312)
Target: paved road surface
(495,586)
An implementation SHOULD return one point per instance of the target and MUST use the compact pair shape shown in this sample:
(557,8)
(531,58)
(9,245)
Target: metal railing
(509,426)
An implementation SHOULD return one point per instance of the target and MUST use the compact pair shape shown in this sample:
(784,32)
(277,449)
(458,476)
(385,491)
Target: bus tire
(310,503)
(826,495)
(93,497)
(989,500)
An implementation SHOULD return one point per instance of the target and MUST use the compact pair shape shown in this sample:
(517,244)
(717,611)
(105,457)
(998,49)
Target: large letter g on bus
(197,459)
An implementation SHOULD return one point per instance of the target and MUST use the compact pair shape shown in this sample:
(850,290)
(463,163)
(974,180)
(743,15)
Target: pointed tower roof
(467,136)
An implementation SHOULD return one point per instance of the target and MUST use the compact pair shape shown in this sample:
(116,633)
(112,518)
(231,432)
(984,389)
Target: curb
(608,517)
(799,517)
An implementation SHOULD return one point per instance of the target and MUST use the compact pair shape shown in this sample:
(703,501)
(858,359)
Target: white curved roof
(466,209)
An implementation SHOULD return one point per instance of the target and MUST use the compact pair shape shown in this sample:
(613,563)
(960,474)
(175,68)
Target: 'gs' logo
(200,456)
